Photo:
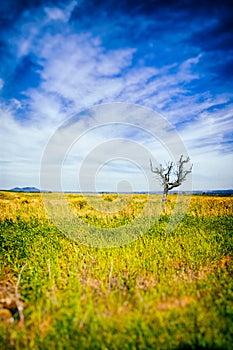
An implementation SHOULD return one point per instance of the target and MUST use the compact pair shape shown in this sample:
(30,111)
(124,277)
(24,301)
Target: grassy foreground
(166,290)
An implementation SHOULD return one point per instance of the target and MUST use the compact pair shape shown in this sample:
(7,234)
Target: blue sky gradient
(61,57)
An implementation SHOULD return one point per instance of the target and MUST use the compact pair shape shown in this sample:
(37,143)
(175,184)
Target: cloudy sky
(59,58)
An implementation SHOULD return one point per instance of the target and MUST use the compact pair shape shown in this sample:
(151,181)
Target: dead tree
(172,175)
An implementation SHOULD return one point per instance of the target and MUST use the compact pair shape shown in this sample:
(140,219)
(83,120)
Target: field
(169,289)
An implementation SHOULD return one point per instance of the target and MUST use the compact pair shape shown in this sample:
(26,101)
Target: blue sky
(61,57)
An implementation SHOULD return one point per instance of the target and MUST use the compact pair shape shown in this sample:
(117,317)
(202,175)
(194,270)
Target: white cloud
(185,73)
(22,146)
(207,132)
(77,68)
(212,171)
(63,14)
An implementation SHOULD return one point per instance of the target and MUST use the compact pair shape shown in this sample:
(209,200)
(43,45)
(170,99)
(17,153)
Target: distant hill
(215,192)
(24,189)
(221,192)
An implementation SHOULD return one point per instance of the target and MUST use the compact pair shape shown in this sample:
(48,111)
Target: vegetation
(166,290)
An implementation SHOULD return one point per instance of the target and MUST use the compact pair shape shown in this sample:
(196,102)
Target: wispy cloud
(69,56)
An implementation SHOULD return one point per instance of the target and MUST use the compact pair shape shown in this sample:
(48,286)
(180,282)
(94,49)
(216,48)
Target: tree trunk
(164,196)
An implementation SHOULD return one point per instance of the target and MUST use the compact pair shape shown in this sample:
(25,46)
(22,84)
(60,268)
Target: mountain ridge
(24,189)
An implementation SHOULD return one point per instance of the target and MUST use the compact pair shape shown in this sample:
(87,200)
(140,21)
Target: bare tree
(172,175)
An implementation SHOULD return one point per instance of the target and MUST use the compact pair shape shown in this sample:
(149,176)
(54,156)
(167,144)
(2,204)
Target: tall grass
(166,290)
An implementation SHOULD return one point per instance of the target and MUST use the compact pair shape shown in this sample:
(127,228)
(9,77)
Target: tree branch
(165,174)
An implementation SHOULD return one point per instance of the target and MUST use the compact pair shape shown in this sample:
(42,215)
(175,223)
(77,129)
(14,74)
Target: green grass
(166,290)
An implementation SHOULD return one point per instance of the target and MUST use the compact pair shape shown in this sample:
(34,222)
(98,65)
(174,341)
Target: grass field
(165,290)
